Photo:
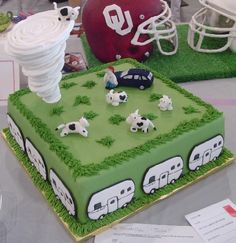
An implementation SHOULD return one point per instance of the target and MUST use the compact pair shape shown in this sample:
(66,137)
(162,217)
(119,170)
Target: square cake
(93,180)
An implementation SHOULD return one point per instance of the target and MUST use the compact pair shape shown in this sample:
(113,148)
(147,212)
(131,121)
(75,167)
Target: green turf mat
(187,64)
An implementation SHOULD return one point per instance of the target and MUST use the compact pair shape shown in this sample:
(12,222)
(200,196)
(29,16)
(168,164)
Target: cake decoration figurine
(165,103)
(139,122)
(135,77)
(110,79)
(74,127)
(67,13)
(38,44)
(116,98)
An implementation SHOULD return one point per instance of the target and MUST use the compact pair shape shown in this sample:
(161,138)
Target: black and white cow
(67,13)
(139,122)
(74,127)
(116,98)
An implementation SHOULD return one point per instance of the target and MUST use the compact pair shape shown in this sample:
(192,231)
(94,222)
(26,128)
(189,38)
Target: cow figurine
(74,127)
(139,122)
(165,103)
(67,13)
(116,98)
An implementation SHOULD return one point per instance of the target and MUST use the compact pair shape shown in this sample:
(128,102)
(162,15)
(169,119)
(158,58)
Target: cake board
(224,160)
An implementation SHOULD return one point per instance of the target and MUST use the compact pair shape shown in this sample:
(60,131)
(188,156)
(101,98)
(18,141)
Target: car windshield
(124,73)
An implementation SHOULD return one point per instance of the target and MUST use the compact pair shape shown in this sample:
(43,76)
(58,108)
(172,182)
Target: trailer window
(129,189)
(151,179)
(215,145)
(122,192)
(196,156)
(172,167)
(163,177)
(207,154)
(219,143)
(54,182)
(70,201)
(97,206)
(178,165)
(113,201)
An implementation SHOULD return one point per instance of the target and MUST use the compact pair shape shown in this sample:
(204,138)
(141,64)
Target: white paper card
(140,233)
(216,223)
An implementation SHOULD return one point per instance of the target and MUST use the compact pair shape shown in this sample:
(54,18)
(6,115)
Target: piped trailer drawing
(206,152)
(62,192)
(162,174)
(110,199)
(15,132)
(36,158)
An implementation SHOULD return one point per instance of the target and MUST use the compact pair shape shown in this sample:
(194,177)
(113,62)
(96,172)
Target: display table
(31,220)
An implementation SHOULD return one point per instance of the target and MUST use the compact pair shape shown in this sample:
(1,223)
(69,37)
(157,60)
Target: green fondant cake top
(85,156)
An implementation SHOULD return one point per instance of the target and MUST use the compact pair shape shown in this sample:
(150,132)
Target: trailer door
(206,156)
(112,204)
(163,179)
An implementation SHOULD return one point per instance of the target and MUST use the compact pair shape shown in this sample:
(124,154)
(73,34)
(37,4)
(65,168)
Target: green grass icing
(116,119)
(57,111)
(82,100)
(106,141)
(190,109)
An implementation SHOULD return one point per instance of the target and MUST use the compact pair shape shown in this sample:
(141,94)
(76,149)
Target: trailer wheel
(125,205)
(152,191)
(173,181)
(102,216)
(215,158)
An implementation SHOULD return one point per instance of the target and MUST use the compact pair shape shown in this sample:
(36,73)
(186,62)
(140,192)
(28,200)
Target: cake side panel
(142,166)
(52,163)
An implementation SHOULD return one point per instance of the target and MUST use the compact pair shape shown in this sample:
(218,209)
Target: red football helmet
(125,28)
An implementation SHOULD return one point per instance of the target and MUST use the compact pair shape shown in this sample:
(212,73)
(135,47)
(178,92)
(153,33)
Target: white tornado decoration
(38,44)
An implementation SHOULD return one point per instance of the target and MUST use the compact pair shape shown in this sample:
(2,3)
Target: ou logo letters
(117,21)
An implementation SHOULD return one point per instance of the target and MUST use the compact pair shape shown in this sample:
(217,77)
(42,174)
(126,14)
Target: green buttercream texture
(79,229)
(89,84)
(116,119)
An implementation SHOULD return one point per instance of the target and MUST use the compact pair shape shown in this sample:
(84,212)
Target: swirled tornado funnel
(38,45)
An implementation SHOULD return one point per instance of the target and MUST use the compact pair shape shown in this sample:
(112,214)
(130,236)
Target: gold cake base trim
(104,228)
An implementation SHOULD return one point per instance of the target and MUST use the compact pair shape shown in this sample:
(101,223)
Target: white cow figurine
(66,13)
(74,127)
(116,98)
(165,103)
(139,122)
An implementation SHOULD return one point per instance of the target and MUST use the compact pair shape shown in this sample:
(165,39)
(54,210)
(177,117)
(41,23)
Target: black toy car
(134,77)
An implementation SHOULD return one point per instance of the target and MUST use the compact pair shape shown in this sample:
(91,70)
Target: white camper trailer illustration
(110,199)
(36,158)
(62,192)
(162,174)
(15,132)
(205,152)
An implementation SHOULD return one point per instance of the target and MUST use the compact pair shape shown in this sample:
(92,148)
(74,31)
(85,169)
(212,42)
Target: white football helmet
(216,20)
